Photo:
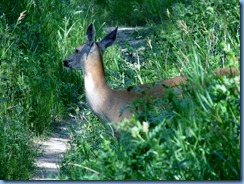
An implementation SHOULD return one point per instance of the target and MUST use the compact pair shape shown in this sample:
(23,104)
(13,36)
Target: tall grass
(35,90)
(194,137)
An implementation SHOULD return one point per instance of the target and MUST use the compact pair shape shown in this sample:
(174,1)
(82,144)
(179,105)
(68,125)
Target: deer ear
(90,34)
(108,40)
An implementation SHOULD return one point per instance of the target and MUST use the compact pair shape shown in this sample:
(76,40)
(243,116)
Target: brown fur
(229,72)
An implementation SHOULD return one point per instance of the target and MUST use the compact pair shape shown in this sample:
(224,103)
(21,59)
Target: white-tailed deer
(105,102)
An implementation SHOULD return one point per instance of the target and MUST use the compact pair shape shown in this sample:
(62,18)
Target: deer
(107,103)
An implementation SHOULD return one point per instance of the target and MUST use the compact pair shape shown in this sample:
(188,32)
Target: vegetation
(194,137)
(35,90)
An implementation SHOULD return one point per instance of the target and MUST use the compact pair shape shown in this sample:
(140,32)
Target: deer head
(79,60)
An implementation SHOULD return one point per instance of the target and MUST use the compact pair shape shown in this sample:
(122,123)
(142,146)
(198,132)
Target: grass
(35,90)
(196,137)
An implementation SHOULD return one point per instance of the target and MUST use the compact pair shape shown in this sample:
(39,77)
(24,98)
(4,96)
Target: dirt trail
(52,151)
(54,147)
(132,41)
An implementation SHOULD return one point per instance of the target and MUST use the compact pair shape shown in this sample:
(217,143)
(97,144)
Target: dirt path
(54,147)
(132,41)
(52,150)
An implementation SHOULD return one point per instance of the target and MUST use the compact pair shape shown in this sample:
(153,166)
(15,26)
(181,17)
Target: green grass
(35,90)
(196,137)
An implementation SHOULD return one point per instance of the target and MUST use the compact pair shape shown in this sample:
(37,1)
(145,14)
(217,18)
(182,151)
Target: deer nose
(66,63)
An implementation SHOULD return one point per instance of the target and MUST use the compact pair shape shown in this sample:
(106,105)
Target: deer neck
(95,83)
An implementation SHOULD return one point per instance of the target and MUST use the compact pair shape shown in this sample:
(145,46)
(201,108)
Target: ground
(52,150)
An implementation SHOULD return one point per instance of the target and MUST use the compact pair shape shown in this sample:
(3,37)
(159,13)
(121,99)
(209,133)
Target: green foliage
(17,151)
(211,27)
(137,12)
(35,90)
(14,111)
(194,136)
